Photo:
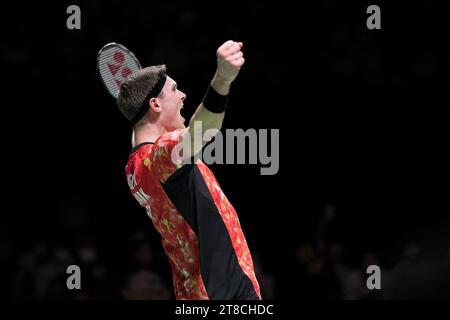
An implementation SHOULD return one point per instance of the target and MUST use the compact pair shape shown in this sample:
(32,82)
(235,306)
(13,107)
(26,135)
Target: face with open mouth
(172,101)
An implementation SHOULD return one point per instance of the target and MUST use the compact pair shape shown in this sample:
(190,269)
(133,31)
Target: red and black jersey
(199,228)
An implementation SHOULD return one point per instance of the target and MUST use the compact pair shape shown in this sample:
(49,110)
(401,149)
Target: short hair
(134,90)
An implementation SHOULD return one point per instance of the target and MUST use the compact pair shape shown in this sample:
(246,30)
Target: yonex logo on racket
(115,63)
(116,69)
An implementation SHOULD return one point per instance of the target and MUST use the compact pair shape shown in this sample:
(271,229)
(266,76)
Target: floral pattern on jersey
(231,220)
(152,164)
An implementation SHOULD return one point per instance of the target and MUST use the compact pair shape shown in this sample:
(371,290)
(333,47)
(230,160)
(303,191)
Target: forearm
(221,85)
(209,120)
(208,115)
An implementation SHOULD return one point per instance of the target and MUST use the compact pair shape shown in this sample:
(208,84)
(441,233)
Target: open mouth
(182,107)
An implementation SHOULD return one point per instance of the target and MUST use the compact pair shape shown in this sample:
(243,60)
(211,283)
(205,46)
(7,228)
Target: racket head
(115,63)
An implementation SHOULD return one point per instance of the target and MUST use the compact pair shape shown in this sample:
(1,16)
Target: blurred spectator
(418,277)
(354,281)
(266,281)
(144,281)
(41,273)
(311,276)
(93,271)
(145,285)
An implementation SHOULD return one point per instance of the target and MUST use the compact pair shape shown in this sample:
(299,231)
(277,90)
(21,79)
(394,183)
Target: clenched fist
(229,61)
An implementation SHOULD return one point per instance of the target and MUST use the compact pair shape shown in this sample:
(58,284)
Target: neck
(147,132)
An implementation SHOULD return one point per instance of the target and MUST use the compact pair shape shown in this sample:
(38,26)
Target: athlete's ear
(154,105)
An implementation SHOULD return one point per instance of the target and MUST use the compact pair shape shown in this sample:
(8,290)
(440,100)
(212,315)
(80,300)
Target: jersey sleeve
(165,154)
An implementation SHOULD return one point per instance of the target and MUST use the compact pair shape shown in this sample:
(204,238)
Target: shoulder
(170,137)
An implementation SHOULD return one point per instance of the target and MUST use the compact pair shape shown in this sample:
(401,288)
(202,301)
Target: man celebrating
(199,228)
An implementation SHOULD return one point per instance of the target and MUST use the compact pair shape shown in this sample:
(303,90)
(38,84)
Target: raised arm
(212,109)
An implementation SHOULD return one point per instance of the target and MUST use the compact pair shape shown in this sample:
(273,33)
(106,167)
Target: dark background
(363,118)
